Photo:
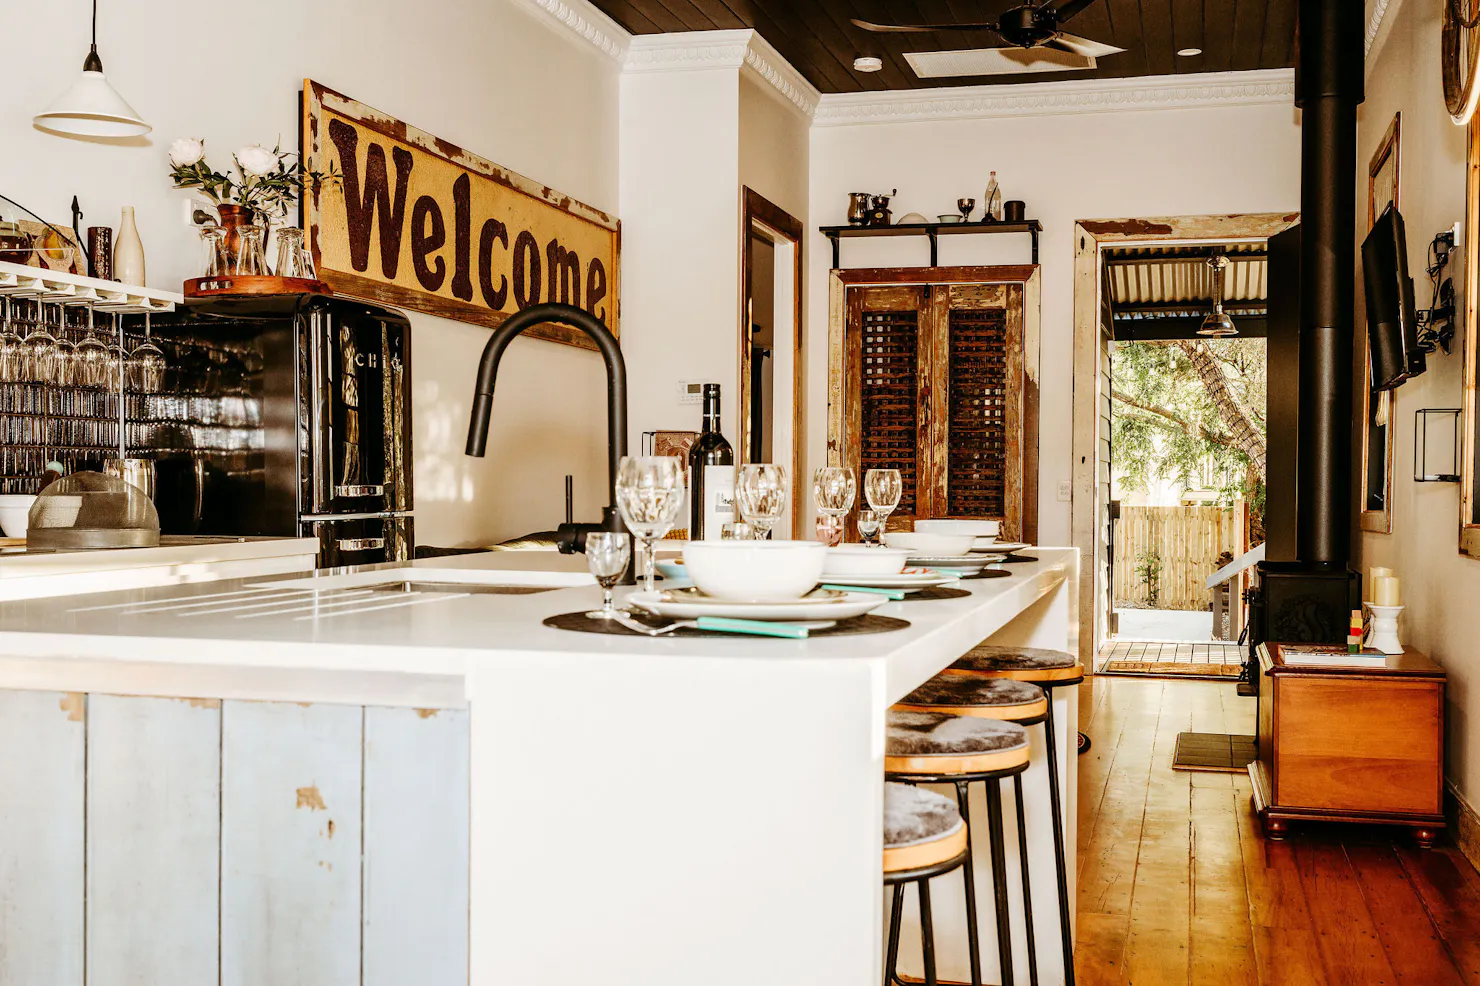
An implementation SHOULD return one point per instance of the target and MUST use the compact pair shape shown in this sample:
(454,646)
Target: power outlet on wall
(197,211)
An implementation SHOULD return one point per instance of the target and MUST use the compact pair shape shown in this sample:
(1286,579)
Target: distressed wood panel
(43,738)
(416,847)
(290,844)
(153,840)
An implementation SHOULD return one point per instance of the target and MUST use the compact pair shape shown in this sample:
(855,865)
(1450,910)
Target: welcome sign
(423,224)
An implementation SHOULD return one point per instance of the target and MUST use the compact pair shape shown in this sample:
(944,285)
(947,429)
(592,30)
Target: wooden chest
(1350,745)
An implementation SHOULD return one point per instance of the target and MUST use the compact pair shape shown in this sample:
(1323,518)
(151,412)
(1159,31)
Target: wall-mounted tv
(1392,318)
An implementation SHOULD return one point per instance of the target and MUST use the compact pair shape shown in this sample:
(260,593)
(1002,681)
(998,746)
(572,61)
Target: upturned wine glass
(13,354)
(91,357)
(650,494)
(883,488)
(146,365)
(41,348)
(760,494)
(607,553)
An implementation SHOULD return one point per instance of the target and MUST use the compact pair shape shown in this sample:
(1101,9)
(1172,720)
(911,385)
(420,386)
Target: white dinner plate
(820,604)
(999,547)
(908,579)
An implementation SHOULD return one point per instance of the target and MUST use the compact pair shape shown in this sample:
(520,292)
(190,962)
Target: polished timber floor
(1177,885)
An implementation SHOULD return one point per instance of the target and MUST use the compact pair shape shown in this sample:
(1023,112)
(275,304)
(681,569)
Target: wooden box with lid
(1350,744)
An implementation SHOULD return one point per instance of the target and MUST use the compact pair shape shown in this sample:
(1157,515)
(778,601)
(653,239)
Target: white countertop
(282,623)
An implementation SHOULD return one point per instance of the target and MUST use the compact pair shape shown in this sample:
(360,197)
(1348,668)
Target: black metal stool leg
(1022,830)
(927,933)
(1066,927)
(973,936)
(891,960)
(999,880)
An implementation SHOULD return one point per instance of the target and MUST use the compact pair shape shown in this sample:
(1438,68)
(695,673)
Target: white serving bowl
(755,571)
(854,561)
(934,545)
(976,528)
(15,510)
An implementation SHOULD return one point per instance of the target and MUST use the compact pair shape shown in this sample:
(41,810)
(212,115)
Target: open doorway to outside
(1169,437)
(1187,450)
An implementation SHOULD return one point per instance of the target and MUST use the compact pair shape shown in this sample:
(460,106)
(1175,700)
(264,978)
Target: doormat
(1230,753)
(1172,669)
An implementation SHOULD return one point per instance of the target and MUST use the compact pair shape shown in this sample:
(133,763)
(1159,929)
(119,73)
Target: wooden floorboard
(1178,885)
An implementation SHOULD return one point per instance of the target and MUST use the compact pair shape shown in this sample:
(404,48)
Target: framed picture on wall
(1383,188)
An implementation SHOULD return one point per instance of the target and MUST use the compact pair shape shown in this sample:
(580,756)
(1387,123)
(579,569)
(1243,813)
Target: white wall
(485,74)
(1100,165)
(1440,585)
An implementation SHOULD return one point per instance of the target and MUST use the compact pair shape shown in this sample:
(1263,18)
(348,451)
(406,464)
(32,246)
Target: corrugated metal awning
(1176,280)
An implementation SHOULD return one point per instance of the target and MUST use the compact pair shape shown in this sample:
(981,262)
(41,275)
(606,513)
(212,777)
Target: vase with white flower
(257,191)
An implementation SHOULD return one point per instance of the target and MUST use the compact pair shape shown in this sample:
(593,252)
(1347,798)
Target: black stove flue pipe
(1328,88)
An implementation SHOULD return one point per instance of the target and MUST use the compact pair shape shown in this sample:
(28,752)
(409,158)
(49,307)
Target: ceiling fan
(1026,26)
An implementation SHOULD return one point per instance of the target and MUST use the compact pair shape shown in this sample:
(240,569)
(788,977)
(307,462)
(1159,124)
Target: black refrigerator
(287,415)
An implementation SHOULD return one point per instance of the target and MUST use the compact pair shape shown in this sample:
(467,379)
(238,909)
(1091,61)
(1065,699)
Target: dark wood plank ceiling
(817,38)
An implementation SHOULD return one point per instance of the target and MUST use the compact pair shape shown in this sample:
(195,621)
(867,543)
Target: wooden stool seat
(936,744)
(1038,664)
(921,828)
(989,698)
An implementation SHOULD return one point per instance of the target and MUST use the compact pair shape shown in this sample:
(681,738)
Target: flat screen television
(1392,319)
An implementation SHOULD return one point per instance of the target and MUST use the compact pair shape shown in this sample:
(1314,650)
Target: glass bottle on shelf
(290,253)
(992,199)
(214,240)
(251,259)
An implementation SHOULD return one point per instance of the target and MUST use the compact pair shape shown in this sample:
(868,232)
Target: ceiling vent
(994,61)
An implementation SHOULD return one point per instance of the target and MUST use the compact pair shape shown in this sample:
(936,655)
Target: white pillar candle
(1378,572)
(1385,591)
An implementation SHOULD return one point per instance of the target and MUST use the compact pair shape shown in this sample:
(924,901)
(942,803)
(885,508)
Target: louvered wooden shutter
(976,444)
(890,398)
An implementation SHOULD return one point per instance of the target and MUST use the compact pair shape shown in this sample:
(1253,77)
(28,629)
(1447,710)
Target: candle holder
(1384,635)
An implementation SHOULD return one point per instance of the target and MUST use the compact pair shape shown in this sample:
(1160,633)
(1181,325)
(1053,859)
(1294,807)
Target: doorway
(771,410)
(1146,283)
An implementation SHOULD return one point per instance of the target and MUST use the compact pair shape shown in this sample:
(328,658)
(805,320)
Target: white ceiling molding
(582,19)
(1156,92)
(742,50)
(1379,26)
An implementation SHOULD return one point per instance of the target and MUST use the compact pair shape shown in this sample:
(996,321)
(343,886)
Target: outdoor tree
(1188,408)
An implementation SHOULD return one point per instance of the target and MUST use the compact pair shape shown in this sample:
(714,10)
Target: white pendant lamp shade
(93,108)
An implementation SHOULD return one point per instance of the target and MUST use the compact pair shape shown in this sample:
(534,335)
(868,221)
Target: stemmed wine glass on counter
(607,553)
(833,490)
(883,488)
(650,494)
(869,522)
(760,495)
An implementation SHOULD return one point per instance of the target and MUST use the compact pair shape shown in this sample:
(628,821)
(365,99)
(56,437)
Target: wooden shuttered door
(936,385)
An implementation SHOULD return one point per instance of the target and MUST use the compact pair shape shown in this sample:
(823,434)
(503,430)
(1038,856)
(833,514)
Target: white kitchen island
(437,789)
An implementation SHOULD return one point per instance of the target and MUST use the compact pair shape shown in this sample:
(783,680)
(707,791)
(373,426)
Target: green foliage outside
(1167,424)
(1148,570)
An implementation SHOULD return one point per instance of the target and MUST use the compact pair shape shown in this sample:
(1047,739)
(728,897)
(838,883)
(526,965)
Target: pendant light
(92,107)
(1217,324)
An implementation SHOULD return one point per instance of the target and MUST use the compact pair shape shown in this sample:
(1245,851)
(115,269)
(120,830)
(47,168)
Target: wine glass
(607,553)
(41,348)
(869,522)
(883,488)
(91,357)
(760,493)
(833,490)
(650,494)
(964,206)
(13,362)
(830,529)
(146,365)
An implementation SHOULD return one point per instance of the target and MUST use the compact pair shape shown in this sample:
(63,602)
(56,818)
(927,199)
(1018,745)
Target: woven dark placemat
(936,592)
(987,573)
(581,623)
(1015,559)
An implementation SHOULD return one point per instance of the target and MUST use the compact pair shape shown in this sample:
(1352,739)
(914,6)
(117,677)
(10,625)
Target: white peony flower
(257,160)
(187,151)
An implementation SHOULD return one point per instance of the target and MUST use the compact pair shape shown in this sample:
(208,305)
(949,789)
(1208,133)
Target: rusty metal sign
(423,224)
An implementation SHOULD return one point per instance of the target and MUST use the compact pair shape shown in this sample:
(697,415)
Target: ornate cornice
(1055,98)
(1374,24)
(742,50)
(586,22)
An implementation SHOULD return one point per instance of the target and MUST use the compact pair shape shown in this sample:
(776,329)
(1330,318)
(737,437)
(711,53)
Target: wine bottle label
(719,499)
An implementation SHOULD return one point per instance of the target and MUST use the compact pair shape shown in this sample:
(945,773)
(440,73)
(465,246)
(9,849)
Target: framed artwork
(1383,188)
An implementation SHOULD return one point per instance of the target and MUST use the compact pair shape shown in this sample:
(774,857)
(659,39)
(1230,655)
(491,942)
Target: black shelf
(931,230)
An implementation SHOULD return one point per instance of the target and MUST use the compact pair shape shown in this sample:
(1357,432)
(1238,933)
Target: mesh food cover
(91,510)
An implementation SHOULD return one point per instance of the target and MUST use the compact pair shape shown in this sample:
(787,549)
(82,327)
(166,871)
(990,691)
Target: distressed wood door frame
(1091,237)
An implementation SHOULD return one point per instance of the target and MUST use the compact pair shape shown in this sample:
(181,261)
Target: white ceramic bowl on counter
(854,561)
(755,571)
(933,545)
(986,532)
(15,509)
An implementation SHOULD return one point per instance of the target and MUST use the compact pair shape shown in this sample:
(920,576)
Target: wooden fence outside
(1186,540)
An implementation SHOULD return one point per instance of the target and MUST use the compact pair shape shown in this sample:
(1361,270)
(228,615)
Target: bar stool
(935,748)
(924,837)
(1047,669)
(1024,704)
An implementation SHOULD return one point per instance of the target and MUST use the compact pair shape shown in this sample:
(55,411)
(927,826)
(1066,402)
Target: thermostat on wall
(691,391)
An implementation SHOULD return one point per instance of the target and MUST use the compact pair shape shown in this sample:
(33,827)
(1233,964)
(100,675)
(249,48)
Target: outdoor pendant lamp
(92,107)
(1217,324)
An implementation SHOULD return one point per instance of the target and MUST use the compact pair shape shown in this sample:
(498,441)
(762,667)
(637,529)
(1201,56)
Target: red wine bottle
(711,475)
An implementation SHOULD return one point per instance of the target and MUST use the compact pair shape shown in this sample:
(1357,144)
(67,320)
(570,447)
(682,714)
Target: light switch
(1066,491)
